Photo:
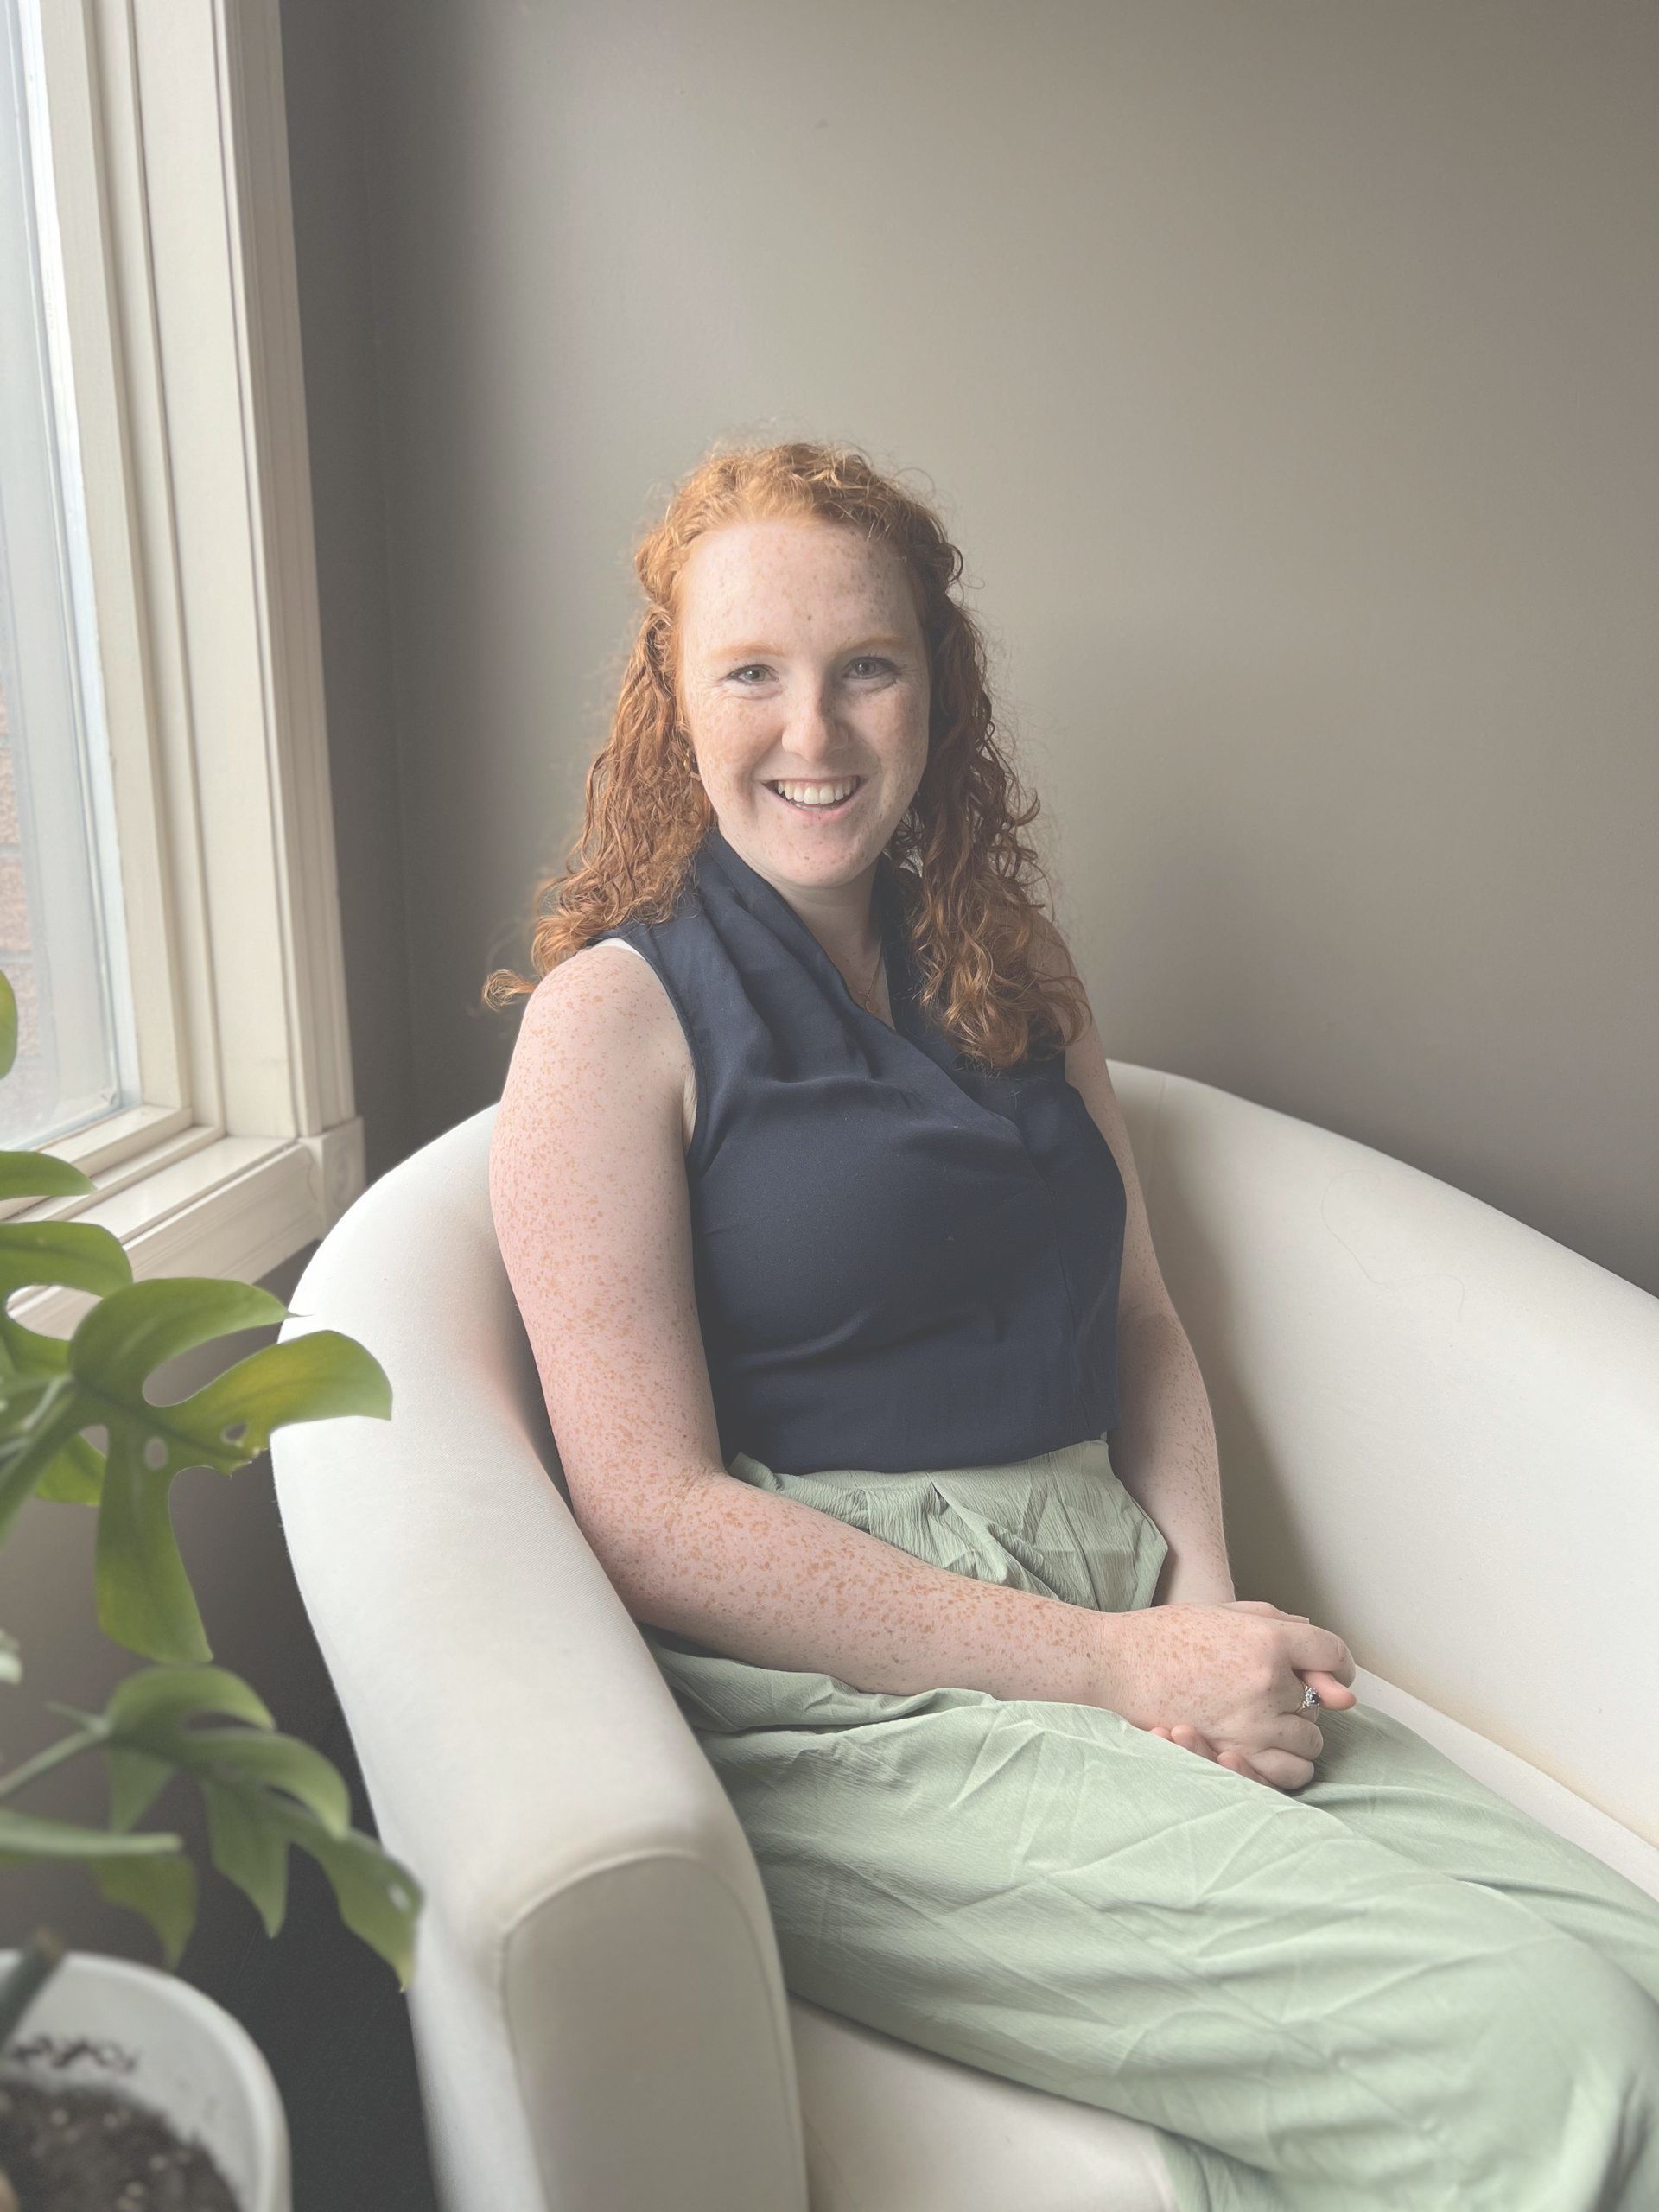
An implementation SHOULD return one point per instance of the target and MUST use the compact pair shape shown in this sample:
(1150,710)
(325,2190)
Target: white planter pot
(146,2035)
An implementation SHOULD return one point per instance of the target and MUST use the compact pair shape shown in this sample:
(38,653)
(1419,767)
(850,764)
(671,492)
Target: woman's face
(802,663)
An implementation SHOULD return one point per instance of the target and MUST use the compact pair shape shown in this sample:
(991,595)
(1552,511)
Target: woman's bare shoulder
(617,1013)
(588,1198)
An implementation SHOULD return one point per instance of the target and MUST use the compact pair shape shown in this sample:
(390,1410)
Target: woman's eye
(759,668)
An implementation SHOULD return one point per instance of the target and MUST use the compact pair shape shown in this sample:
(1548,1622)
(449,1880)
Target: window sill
(133,1139)
(233,1207)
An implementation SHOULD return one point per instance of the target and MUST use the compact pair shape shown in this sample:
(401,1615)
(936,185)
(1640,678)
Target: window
(168,909)
(62,941)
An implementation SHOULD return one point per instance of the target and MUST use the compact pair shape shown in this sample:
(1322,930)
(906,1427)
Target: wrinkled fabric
(1390,1989)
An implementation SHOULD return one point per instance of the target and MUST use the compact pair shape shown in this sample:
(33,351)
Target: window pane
(62,944)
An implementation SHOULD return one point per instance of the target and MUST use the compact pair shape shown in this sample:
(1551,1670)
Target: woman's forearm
(774,1581)
(1164,1453)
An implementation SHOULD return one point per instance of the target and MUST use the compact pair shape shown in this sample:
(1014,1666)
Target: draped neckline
(764,899)
(909,1031)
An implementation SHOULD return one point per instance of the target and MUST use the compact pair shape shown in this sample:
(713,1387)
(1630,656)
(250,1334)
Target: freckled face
(802,662)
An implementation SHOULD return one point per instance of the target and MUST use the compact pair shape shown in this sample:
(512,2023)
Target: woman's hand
(1235,1672)
(1331,1693)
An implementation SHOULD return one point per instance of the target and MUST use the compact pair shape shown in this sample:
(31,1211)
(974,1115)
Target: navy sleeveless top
(901,1264)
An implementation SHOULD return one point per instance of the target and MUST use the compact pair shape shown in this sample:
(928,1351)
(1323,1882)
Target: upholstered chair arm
(595,1962)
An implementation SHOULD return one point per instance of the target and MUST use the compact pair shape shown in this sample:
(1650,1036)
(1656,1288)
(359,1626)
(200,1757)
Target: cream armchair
(1439,1435)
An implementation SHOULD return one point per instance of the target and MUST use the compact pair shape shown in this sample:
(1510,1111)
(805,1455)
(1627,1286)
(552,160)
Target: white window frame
(169,149)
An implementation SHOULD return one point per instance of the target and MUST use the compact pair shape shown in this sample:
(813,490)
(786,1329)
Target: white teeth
(816,794)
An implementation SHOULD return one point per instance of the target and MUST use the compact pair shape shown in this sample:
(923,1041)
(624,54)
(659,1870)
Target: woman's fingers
(1186,1737)
(1283,1769)
(1237,1762)
(1274,1769)
(1332,1691)
(1193,1740)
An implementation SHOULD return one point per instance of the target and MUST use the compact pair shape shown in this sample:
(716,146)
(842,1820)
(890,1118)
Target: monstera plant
(261,1791)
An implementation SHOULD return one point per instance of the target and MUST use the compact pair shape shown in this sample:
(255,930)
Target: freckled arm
(1164,1453)
(1164,1447)
(589,1200)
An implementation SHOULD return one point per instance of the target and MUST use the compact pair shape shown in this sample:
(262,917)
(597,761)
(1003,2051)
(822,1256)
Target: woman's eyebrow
(757,650)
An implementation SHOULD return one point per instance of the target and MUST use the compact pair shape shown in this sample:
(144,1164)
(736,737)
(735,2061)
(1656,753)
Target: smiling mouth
(805,806)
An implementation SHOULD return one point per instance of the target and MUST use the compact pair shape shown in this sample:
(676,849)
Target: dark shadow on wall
(342,400)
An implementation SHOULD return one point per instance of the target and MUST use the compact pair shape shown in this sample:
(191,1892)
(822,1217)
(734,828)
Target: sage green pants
(1390,1988)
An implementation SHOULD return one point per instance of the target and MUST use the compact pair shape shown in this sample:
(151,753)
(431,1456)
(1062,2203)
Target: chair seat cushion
(892,2128)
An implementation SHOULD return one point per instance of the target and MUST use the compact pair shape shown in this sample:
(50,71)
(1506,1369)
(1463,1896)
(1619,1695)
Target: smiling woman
(801,629)
(869,1398)
(808,746)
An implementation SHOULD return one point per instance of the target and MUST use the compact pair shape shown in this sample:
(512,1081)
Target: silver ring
(1310,1699)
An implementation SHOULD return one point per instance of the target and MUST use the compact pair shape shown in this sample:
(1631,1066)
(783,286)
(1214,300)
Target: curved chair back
(1439,1429)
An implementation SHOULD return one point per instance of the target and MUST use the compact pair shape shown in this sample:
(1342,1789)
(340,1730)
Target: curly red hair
(990,972)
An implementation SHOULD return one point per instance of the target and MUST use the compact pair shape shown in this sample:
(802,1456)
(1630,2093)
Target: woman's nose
(811,732)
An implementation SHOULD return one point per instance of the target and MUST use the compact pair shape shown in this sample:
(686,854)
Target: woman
(821,1215)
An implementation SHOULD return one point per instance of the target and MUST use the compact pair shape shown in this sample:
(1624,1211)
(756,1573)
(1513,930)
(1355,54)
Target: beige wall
(1286,373)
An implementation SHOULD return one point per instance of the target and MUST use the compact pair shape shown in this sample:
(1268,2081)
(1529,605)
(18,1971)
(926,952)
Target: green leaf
(244,1777)
(155,1695)
(149,1873)
(38,1415)
(143,1594)
(41,1175)
(75,1477)
(248,1848)
(28,1352)
(314,1377)
(7,1024)
(70,1255)
(144,1598)
(132,1330)
(261,1791)
(379,1898)
(25,1397)
(163,1890)
(137,1780)
(271,1761)
(141,1722)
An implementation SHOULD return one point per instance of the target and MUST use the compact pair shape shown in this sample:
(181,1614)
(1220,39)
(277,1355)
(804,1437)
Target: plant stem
(54,1755)
(40,1442)
(35,1962)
